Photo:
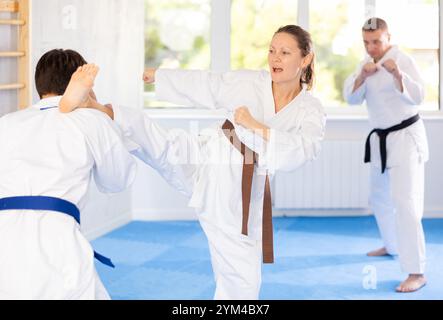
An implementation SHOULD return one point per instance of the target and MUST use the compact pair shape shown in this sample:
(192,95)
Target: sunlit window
(253,23)
(416,31)
(338,45)
(177,35)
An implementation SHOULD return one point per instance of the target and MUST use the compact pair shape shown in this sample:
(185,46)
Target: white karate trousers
(397,201)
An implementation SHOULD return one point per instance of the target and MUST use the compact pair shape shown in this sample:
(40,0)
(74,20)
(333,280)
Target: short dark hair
(374,24)
(54,71)
(304,42)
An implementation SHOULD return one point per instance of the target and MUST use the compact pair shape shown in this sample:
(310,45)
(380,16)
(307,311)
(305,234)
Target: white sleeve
(202,88)
(115,168)
(413,85)
(288,150)
(354,97)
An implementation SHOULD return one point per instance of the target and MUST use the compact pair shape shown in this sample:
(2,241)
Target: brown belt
(249,161)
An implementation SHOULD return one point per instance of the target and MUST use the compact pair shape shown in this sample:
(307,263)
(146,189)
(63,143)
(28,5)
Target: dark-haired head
(54,71)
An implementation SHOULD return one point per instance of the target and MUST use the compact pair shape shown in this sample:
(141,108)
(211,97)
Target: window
(179,32)
(253,24)
(338,45)
(177,35)
(416,31)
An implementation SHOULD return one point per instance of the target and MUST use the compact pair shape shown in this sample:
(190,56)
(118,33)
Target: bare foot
(413,283)
(79,88)
(378,253)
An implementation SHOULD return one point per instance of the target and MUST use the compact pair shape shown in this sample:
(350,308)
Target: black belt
(383,134)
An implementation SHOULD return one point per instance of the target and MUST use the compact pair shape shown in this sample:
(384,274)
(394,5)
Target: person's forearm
(358,83)
(63,108)
(398,78)
(260,129)
(105,109)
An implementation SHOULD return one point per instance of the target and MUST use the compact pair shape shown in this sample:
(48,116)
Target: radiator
(337,179)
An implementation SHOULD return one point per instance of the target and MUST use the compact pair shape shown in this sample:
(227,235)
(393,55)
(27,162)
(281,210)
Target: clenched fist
(243,117)
(368,70)
(392,68)
(149,75)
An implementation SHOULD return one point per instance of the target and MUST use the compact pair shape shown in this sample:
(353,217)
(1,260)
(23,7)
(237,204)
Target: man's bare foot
(78,90)
(378,253)
(413,283)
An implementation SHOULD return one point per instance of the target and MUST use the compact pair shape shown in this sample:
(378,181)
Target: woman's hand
(243,117)
(149,75)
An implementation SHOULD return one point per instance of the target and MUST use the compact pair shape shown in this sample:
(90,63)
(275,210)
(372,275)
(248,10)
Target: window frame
(220,47)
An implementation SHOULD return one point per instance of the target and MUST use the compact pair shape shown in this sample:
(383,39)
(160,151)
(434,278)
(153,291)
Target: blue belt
(48,108)
(48,204)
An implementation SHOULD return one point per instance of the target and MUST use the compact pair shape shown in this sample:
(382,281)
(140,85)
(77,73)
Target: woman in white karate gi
(47,160)
(279,119)
(389,81)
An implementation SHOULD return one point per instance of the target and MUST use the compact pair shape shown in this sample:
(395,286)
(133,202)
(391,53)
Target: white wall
(434,168)
(110,34)
(153,199)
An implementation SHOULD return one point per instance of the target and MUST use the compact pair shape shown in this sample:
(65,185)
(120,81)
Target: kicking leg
(79,88)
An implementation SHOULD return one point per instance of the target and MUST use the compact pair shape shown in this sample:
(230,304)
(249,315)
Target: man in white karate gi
(397,148)
(47,160)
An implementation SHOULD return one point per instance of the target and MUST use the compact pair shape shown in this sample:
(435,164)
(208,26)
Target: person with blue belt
(47,160)
(397,148)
